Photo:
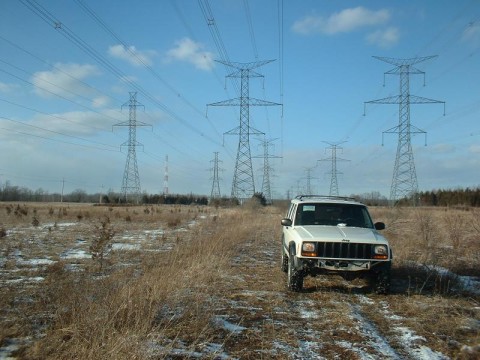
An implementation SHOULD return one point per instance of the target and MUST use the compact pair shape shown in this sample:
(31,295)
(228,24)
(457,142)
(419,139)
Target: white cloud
(472,33)
(344,21)
(5,88)
(64,80)
(131,55)
(100,101)
(77,123)
(190,51)
(474,149)
(384,38)
(443,149)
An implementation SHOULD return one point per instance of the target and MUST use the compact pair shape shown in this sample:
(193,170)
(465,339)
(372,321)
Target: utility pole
(404,180)
(333,159)
(63,187)
(131,179)
(243,185)
(215,193)
(165,177)
(267,168)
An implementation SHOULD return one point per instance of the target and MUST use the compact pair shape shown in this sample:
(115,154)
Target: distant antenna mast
(165,177)
(243,186)
(333,159)
(215,193)
(404,181)
(131,179)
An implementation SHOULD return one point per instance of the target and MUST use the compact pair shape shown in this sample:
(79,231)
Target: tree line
(456,197)
(440,197)
(10,192)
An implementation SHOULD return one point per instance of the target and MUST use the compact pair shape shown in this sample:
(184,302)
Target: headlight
(308,249)
(380,252)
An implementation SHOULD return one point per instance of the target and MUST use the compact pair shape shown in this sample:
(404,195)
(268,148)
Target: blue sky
(68,66)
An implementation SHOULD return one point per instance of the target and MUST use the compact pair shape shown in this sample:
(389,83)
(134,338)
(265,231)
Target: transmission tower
(333,159)
(267,168)
(309,178)
(131,180)
(215,194)
(404,181)
(243,185)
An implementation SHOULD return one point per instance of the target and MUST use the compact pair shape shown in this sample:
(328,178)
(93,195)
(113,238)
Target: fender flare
(292,251)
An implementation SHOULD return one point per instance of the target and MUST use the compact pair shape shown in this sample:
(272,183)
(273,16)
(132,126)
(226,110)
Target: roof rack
(347,198)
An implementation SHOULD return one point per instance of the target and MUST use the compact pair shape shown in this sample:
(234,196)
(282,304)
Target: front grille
(344,250)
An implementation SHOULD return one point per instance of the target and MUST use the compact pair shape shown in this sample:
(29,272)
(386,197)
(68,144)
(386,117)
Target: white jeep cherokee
(334,235)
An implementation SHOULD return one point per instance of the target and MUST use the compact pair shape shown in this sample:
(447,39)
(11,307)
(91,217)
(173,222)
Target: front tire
(294,276)
(380,281)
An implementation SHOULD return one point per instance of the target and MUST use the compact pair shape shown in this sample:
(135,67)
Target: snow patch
(36,262)
(125,246)
(222,322)
(75,254)
(374,338)
(412,343)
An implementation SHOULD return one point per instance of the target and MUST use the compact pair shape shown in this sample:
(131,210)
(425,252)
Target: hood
(339,233)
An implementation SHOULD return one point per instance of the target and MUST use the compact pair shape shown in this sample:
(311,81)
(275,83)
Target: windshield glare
(333,214)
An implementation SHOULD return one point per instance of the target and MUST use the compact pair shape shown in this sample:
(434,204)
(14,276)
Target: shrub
(101,243)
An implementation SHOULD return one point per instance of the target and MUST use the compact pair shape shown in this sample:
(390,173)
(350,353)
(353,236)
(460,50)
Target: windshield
(333,214)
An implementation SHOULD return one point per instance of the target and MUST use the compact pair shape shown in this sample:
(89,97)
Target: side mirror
(286,222)
(379,226)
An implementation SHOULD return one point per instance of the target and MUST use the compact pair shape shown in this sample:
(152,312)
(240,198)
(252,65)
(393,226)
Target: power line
(57,69)
(50,115)
(250,28)
(53,93)
(217,38)
(50,139)
(102,23)
(280,62)
(84,46)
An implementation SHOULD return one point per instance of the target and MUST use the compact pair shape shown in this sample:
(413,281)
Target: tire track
(407,343)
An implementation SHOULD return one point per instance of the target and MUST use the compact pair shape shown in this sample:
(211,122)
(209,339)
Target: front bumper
(343,265)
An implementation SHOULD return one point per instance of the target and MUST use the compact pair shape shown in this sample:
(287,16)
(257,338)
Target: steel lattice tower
(131,179)
(404,180)
(333,159)
(309,178)
(215,193)
(267,168)
(243,185)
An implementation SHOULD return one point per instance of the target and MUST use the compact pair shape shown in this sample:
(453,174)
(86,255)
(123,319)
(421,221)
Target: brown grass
(144,303)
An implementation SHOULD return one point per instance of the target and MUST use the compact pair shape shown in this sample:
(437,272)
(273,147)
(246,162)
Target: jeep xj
(333,235)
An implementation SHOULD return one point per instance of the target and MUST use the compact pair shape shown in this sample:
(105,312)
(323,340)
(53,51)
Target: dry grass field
(181,282)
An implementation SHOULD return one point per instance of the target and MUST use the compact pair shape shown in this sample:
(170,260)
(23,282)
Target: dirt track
(330,319)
